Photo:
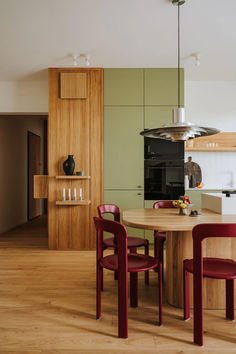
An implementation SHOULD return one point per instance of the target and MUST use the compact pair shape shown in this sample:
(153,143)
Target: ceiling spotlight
(75,59)
(81,59)
(197,57)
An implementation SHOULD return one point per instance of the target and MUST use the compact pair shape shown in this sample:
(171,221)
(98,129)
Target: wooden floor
(47,306)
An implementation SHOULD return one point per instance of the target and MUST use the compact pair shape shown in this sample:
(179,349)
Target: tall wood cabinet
(75,127)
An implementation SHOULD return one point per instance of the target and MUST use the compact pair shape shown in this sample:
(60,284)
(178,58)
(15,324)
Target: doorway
(34,166)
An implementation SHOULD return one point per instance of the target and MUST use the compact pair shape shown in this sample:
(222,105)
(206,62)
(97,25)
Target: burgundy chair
(160,237)
(200,267)
(132,242)
(123,262)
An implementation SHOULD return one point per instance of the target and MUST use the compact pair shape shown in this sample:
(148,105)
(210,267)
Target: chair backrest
(163,204)
(202,231)
(109,209)
(120,235)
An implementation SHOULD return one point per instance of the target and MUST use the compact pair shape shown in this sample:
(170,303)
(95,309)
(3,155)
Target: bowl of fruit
(183,203)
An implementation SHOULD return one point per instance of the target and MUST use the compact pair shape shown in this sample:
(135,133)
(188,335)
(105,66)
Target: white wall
(213,104)
(14,162)
(23,97)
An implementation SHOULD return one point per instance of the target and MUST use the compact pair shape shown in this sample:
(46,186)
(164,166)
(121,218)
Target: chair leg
(134,289)
(159,252)
(198,309)
(102,288)
(186,295)
(123,306)
(115,272)
(147,272)
(230,299)
(99,286)
(160,293)
(161,257)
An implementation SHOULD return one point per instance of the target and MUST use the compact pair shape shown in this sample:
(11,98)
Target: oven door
(163,180)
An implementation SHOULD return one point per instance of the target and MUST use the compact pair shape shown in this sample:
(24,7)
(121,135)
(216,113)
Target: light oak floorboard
(47,306)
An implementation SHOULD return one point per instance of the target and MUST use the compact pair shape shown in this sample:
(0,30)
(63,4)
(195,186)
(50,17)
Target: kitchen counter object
(219,203)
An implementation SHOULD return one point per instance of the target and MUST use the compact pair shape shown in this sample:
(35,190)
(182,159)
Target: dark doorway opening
(34,166)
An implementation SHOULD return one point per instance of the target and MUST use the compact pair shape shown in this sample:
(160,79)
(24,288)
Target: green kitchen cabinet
(123,87)
(123,148)
(156,116)
(161,87)
(125,199)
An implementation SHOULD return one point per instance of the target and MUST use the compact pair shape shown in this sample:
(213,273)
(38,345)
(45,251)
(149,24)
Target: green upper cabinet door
(161,87)
(123,87)
(123,148)
(156,116)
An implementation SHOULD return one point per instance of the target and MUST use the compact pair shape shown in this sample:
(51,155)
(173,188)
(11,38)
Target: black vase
(69,165)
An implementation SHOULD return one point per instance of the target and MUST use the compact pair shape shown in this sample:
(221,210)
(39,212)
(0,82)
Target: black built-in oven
(163,169)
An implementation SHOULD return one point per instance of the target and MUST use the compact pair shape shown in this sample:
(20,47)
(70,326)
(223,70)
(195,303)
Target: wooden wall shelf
(213,149)
(73,202)
(219,142)
(73,177)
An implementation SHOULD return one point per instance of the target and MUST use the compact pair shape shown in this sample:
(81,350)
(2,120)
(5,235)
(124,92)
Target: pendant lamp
(179,130)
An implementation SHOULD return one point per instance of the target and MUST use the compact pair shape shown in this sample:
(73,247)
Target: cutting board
(193,169)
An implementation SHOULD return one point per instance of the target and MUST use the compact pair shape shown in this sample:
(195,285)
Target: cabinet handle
(139,186)
(139,193)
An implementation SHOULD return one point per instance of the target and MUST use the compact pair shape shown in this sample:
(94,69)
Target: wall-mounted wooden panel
(75,126)
(225,141)
(73,85)
(40,186)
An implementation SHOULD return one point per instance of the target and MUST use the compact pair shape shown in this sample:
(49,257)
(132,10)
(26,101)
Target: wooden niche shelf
(217,142)
(73,202)
(75,127)
(73,177)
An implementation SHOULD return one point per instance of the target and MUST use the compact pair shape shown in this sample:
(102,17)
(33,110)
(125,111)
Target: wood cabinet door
(123,148)
(33,169)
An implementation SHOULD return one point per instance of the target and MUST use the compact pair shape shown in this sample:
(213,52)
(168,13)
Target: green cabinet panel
(161,87)
(123,87)
(123,148)
(156,116)
(126,200)
(195,196)
(149,203)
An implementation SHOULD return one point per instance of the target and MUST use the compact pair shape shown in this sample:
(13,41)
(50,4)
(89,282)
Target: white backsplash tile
(218,168)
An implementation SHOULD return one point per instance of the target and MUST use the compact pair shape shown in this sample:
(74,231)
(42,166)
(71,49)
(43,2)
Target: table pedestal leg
(179,246)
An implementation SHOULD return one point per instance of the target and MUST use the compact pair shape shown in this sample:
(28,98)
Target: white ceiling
(37,34)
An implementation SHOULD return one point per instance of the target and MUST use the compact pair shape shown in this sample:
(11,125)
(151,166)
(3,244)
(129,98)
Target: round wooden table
(179,246)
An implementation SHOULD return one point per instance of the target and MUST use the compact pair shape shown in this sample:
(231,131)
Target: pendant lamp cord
(178,58)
